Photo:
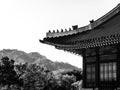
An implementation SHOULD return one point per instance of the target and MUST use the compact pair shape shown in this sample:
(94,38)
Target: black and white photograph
(59,44)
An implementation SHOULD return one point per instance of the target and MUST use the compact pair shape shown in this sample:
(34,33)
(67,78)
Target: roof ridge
(90,26)
(105,17)
(67,32)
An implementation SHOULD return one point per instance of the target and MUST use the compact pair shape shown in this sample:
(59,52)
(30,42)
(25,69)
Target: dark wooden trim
(118,64)
(97,67)
(100,84)
(84,68)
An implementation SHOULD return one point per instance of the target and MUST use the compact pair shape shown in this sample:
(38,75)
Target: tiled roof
(108,32)
(90,26)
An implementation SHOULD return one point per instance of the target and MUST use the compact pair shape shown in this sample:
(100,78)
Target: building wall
(100,67)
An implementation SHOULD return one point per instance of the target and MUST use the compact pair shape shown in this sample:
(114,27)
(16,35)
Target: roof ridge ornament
(93,24)
(57,31)
(61,30)
(53,31)
(49,31)
(92,21)
(70,29)
(105,17)
(65,30)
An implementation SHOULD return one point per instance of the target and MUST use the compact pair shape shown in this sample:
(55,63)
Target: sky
(24,22)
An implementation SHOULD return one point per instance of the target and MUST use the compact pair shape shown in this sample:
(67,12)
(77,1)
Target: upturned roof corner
(93,24)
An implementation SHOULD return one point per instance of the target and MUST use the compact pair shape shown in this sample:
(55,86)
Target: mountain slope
(34,57)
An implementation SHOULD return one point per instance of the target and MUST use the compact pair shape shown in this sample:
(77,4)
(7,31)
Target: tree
(8,75)
(63,82)
(35,77)
(76,73)
(67,80)
(31,77)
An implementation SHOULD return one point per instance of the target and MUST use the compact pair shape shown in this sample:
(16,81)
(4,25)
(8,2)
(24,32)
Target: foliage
(63,82)
(76,73)
(34,76)
(8,75)
(31,77)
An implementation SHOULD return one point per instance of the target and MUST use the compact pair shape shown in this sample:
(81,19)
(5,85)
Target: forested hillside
(34,58)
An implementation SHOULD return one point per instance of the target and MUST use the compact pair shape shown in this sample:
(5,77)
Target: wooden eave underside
(107,33)
(91,43)
(113,39)
(62,47)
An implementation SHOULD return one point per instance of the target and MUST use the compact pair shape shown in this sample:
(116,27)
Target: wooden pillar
(118,65)
(84,68)
(97,74)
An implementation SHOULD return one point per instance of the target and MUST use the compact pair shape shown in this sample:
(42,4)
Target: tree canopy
(33,77)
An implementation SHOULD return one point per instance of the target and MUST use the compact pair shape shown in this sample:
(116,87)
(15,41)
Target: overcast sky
(24,22)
